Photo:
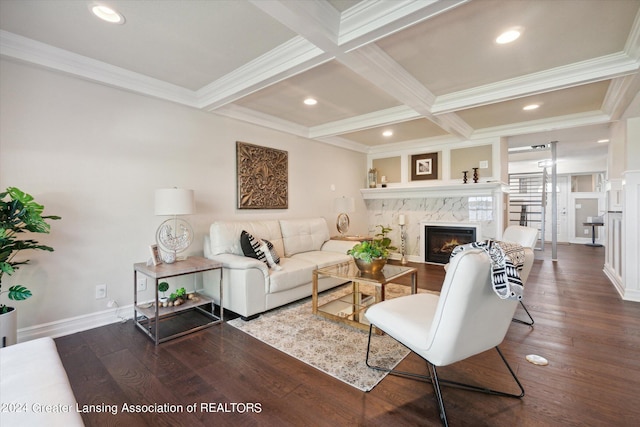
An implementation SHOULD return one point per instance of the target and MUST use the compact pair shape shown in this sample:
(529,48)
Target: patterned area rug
(335,349)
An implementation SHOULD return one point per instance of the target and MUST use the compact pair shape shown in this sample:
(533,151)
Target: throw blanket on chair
(507,260)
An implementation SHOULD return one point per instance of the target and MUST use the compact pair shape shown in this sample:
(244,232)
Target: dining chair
(527,237)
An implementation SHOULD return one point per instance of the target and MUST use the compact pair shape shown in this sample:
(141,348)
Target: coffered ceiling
(427,70)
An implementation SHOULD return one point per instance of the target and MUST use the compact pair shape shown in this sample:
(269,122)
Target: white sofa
(34,388)
(250,287)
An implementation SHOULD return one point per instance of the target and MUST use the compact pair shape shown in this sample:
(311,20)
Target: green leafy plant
(163,287)
(379,247)
(179,293)
(19,213)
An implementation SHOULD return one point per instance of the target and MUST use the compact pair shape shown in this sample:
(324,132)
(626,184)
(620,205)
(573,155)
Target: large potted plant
(19,214)
(371,255)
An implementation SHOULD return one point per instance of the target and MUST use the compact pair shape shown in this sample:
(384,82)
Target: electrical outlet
(142,283)
(484,164)
(586,231)
(101,291)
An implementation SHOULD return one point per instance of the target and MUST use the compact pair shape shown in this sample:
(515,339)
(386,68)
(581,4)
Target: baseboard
(625,294)
(76,324)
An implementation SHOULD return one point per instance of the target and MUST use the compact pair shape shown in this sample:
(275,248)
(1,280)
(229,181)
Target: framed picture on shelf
(155,255)
(424,166)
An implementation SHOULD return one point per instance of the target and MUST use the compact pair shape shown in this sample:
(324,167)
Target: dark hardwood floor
(589,335)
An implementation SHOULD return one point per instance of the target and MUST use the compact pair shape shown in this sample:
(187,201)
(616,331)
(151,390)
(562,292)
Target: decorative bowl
(373,267)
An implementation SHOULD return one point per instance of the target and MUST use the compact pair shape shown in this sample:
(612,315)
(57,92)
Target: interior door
(585,206)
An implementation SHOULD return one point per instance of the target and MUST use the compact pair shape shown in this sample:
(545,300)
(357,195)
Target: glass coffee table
(365,290)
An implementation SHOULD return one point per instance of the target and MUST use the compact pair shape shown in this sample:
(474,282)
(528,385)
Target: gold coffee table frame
(349,309)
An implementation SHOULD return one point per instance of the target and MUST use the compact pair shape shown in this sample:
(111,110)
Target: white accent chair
(527,237)
(466,319)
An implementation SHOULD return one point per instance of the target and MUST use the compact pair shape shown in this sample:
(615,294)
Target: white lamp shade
(344,205)
(174,201)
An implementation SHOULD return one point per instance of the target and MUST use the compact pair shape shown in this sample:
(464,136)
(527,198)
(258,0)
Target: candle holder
(475,175)
(464,176)
(403,244)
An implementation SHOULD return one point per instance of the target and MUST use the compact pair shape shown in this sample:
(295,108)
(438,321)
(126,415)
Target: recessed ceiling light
(387,133)
(508,36)
(310,101)
(107,14)
(602,141)
(531,107)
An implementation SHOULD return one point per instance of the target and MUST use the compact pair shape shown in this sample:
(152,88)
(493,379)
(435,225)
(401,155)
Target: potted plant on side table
(19,213)
(371,256)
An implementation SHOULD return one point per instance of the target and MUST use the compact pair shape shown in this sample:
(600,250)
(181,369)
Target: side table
(593,226)
(148,316)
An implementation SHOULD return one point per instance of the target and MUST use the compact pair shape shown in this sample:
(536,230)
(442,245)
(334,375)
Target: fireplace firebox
(441,240)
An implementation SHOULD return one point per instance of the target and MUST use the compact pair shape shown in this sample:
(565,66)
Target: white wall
(94,155)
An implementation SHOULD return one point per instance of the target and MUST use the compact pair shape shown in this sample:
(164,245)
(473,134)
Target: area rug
(334,348)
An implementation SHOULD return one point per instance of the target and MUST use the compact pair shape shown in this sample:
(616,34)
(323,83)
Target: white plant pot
(9,328)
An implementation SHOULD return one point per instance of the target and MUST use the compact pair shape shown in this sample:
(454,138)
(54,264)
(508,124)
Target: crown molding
(368,21)
(619,95)
(261,119)
(379,68)
(453,124)
(388,116)
(47,56)
(589,71)
(344,143)
(544,125)
(632,46)
(288,59)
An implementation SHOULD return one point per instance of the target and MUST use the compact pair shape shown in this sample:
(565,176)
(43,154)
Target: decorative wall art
(424,166)
(263,177)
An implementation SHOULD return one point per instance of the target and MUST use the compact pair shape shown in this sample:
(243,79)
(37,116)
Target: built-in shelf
(430,191)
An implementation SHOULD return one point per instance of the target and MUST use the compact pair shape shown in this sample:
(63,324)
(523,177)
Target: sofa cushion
(224,236)
(322,258)
(303,235)
(295,272)
(262,250)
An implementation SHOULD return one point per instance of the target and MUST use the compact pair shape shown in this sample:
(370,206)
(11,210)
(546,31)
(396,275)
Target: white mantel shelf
(434,191)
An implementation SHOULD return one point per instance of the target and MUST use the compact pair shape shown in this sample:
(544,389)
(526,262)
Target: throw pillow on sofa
(262,250)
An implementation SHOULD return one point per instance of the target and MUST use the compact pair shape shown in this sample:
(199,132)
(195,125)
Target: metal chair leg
(433,379)
(391,371)
(528,314)
(438,392)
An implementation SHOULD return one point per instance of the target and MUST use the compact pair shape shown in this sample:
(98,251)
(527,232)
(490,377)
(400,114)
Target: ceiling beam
(389,116)
(317,25)
(291,58)
(583,72)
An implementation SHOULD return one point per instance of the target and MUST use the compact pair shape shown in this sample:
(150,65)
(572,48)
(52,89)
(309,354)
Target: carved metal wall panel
(263,177)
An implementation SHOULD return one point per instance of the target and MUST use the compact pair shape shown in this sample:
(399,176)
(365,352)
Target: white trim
(369,21)
(73,325)
(588,71)
(437,190)
(379,118)
(287,60)
(32,51)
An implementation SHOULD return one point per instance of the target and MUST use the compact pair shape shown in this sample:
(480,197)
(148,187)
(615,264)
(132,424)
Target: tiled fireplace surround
(419,208)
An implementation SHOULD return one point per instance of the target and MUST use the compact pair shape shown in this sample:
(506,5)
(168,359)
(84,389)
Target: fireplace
(440,240)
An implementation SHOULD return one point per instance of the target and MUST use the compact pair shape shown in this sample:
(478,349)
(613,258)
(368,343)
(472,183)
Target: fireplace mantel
(431,191)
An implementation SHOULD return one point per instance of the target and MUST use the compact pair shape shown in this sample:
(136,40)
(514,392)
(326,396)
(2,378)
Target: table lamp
(174,235)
